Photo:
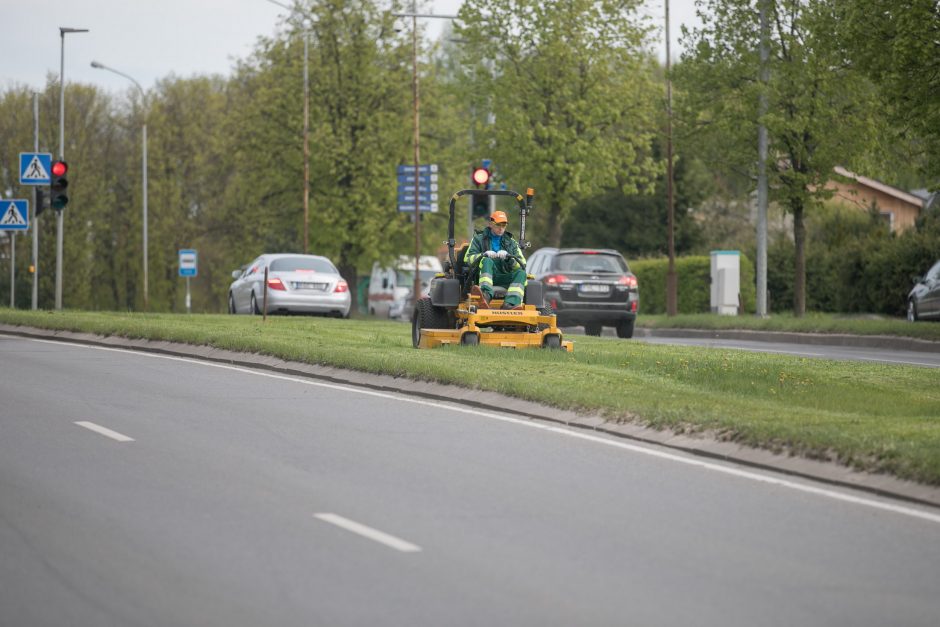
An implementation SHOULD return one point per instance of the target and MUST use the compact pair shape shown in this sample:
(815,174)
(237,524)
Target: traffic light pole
(60,220)
(36,209)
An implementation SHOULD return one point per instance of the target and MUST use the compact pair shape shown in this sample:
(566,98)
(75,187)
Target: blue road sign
(189,262)
(35,168)
(409,196)
(423,169)
(409,179)
(14,215)
(423,208)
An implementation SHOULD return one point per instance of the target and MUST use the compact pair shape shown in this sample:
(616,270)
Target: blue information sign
(189,262)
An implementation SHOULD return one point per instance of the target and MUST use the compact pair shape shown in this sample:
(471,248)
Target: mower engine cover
(444,292)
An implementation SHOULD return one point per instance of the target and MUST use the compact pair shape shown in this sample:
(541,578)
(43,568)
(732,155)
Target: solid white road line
(114,435)
(368,532)
(753,475)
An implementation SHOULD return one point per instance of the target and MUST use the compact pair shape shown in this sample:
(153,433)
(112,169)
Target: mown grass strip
(882,418)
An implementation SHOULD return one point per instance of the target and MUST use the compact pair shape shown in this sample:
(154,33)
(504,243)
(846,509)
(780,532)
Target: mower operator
(493,249)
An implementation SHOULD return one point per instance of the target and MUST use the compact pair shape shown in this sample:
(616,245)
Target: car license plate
(594,288)
(319,287)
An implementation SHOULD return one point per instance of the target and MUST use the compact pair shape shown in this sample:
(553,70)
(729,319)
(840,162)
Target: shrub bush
(868,271)
(693,284)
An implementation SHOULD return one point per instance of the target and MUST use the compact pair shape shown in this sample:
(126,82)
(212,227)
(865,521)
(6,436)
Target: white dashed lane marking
(108,433)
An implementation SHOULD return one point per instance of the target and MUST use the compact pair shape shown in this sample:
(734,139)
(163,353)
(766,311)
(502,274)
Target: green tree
(897,44)
(821,111)
(360,93)
(635,224)
(563,95)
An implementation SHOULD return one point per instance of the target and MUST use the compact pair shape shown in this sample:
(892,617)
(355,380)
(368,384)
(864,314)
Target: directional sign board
(35,168)
(189,262)
(426,186)
(14,215)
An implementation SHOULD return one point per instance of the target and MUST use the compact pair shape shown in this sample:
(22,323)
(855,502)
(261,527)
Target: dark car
(923,303)
(589,287)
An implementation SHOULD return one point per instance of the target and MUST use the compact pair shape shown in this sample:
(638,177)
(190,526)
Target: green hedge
(693,284)
(865,273)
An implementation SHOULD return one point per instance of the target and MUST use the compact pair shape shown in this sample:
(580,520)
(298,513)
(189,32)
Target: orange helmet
(499,217)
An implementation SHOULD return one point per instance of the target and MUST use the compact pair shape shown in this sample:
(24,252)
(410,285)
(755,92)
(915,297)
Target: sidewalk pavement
(699,444)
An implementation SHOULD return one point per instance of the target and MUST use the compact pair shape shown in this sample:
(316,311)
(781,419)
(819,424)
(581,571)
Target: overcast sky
(151,39)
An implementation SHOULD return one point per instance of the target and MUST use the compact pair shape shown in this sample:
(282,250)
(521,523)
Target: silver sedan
(296,284)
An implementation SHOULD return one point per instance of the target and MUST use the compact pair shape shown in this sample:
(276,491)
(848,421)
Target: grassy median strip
(882,418)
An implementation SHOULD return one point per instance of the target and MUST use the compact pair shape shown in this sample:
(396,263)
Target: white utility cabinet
(726,281)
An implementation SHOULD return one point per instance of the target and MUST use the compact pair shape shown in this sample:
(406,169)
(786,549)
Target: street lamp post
(59,222)
(307,23)
(101,66)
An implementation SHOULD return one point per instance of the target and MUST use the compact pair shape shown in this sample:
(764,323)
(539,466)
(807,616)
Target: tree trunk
(799,266)
(348,271)
(553,237)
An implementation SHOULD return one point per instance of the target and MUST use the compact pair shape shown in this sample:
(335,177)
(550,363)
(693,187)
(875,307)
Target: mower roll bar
(525,206)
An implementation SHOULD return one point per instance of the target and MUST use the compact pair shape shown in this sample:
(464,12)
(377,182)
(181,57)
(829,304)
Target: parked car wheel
(231,303)
(911,311)
(254,305)
(625,328)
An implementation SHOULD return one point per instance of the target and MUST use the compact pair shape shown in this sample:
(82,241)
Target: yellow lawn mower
(456,312)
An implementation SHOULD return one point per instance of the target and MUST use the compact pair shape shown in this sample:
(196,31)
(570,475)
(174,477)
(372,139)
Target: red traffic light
(59,168)
(481,176)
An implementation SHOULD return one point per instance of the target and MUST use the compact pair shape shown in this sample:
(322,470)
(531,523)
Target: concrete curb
(695,444)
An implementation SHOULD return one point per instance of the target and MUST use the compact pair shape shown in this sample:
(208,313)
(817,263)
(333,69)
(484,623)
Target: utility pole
(671,283)
(414,15)
(762,191)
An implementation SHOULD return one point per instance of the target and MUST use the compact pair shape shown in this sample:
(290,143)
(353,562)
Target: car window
(535,261)
(406,277)
(590,262)
(302,264)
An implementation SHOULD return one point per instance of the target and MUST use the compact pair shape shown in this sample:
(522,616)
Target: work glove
(490,253)
(502,254)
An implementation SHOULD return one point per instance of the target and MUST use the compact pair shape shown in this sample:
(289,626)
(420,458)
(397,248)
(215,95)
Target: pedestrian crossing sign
(35,168)
(14,215)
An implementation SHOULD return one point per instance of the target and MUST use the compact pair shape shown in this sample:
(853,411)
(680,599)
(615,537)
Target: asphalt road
(815,351)
(138,489)
(879,354)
